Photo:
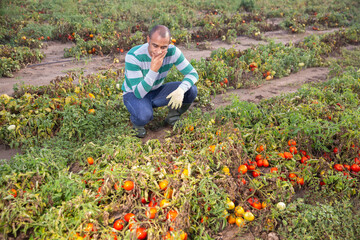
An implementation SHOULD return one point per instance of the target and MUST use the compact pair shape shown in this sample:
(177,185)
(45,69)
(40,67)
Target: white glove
(176,98)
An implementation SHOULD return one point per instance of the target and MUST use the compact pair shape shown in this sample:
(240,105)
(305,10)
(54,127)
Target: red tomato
(339,167)
(336,150)
(256,173)
(355,168)
(119,224)
(141,233)
(129,216)
(259,163)
(273,169)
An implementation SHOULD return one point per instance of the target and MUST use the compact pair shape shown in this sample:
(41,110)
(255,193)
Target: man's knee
(144,117)
(191,94)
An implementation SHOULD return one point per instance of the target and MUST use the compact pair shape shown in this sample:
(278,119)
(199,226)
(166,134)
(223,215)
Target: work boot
(140,131)
(174,114)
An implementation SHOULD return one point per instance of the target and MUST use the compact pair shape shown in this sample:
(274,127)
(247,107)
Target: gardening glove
(176,98)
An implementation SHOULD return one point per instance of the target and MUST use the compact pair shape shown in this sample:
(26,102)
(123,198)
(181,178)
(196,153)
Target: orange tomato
(288,155)
(163,184)
(171,215)
(265,163)
(242,169)
(263,205)
(90,160)
(231,219)
(257,205)
(89,227)
(128,185)
(91,111)
(151,213)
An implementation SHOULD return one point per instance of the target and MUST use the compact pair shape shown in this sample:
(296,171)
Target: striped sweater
(140,80)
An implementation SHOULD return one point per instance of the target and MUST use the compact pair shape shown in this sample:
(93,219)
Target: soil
(54,64)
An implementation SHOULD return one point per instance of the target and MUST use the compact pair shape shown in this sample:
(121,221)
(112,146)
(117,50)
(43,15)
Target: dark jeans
(141,110)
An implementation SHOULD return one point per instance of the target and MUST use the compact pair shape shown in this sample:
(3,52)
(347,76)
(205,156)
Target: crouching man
(146,67)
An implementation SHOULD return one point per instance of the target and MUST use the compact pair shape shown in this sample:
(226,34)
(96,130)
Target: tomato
(240,222)
(226,81)
(300,181)
(171,215)
(260,148)
(128,185)
(258,157)
(119,224)
(256,173)
(336,150)
(293,150)
(274,169)
(291,142)
(355,167)
(288,155)
(163,184)
(357,161)
(153,202)
(90,160)
(13,192)
(243,181)
(89,227)
(129,216)
(141,233)
(251,167)
(242,169)
(303,159)
(231,219)
(151,213)
(347,166)
(259,163)
(239,211)
(292,176)
(143,200)
(257,205)
(248,216)
(265,163)
(338,167)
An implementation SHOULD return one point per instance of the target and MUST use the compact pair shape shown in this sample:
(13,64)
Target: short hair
(162,30)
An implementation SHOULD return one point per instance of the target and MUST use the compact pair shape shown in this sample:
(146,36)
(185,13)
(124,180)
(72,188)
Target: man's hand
(176,98)
(157,61)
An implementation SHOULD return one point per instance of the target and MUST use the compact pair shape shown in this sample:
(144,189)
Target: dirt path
(54,64)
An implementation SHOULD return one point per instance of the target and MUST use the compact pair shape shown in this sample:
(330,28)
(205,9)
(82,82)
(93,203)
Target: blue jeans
(141,110)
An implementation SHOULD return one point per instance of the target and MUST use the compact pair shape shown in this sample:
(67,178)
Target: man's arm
(190,74)
(139,84)
(134,78)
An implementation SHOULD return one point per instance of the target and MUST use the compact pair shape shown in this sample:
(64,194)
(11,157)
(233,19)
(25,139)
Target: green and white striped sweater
(141,80)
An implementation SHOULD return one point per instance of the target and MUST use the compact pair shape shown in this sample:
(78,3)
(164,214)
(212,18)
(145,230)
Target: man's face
(157,44)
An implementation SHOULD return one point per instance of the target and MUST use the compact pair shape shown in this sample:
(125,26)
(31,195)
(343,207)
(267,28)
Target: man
(146,67)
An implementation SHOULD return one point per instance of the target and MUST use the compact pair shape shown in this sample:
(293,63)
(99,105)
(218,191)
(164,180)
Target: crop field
(285,167)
